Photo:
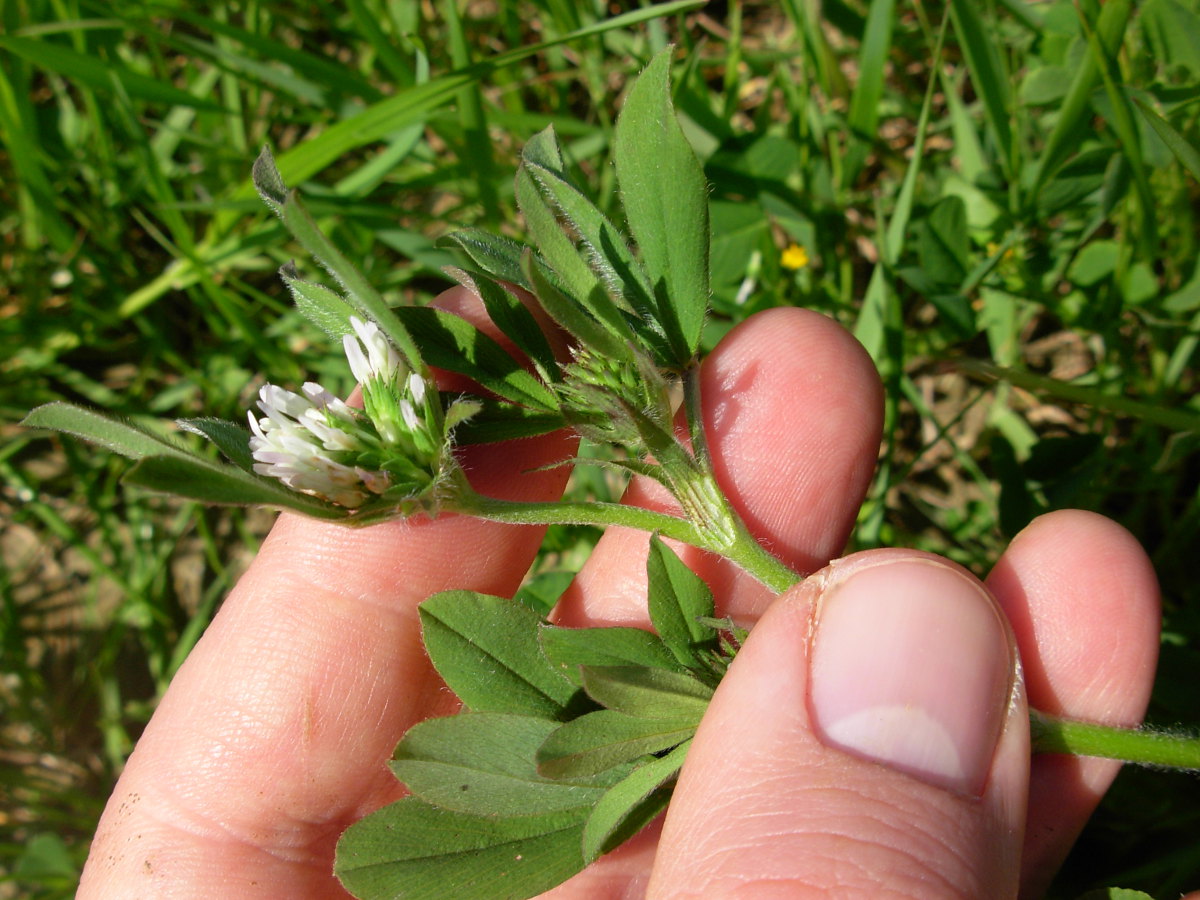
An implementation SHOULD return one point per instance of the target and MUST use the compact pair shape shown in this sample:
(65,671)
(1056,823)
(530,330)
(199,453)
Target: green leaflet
(631,804)
(494,254)
(413,850)
(647,693)
(452,343)
(571,648)
(584,295)
(600,740)
(231,439)
(166,467)
(603,337)
(665,197)
(486,649)
(515,320)
(678,599)
(326,309)
(484,764)
(500,421)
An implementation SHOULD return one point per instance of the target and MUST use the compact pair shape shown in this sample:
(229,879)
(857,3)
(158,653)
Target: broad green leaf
(485,764)
(451,342)
(944,247)
(231,439)
(498,256)
(665,198)
(677,599)
(1095,262)
(647,693)
(600,740)
(631,804)
(486,649)
(326,309)
(571,648)
(415,851)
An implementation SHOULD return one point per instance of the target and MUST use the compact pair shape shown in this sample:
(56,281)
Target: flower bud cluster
(316,444)
(614,400)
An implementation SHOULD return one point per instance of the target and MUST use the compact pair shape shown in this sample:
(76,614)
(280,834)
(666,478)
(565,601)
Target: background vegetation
(1009,226)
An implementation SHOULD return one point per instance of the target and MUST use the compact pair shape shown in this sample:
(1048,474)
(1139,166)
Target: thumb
(870,739)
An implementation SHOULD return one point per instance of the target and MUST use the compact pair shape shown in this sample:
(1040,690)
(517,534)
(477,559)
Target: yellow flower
(794,257)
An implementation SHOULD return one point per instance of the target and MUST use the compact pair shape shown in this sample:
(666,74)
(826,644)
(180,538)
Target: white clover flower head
(316,444)
(297,439)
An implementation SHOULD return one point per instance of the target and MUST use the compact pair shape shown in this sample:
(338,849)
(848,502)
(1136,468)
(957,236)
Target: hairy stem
(1052,734)
(742,550)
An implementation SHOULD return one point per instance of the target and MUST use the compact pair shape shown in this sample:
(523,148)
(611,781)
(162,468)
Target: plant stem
(1051,734)
(743,551)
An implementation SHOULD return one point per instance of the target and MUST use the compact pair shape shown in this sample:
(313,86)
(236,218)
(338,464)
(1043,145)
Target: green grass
(1009,225)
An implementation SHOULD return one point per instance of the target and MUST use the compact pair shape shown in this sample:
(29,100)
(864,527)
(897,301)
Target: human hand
(274,734)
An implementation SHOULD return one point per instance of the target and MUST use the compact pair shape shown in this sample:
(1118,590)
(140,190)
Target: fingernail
(911,667)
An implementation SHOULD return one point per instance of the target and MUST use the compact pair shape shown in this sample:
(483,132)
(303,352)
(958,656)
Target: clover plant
(569,740)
